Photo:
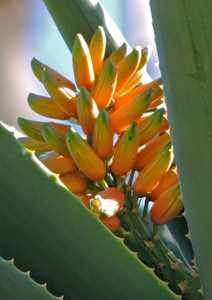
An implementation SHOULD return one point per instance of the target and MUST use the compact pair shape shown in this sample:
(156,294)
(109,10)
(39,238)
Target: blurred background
(27,31)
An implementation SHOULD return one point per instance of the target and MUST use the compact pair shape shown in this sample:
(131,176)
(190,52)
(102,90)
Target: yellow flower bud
(31,128)
(45,106)
(63,97)
(38,69)
(55,139)
(151,174)
(125,151)
(82,63)
(126,114)
(34,145)
(87,111)
(85,158)
(76,182)
(126,98)
(150,125)
(167,206)
(147,153)
(127,68)
(105,85)
(97,49)
(118,55)
(103,136)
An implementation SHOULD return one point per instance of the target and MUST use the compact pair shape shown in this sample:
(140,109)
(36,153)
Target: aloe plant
(56,227)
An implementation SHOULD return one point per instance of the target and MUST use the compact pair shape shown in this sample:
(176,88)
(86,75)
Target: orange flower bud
(87,111)
(168,180)
(167,206)
(147,153)
(82,63)
(38,69)
(31,128)
(125,151)
(55,139)
(135,80)
(150,125)
(59,164)
(103,135)
(97,49)
(127,68)
(118,55)
(76,182)
(105,85)
(151,174)
(130,84)
(85,157)
(45,106)
(65,98)
(34,145)
(126,98)
(114,194)
(113,223)
(128,113)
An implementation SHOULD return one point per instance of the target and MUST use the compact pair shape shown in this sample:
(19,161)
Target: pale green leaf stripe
(184,41)
(48,231)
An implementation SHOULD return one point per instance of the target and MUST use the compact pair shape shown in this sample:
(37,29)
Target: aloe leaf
(17,285)
(176,236)
(74,16)
(183,36)
(47,230)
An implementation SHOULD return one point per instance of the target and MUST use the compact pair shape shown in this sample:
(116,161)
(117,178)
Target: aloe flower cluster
(123,150)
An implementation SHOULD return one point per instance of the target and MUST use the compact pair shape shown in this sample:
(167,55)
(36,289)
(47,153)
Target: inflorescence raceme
(123,150)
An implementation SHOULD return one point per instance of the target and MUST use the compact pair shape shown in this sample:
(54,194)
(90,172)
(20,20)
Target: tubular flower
(130,112)
(76,182)
(150,125)
(103,135)
(87,111)
(167,206)
(59,164)
(127,68)
(123,121)
(151,174)
(82,63)
(46,107)
(105,85)
(169,179)
(97,49)
(154,146)
(84,156)
(125,151)
(55,139)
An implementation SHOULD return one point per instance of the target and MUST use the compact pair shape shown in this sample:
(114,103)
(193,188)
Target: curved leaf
(183,31)
(73,16)
(17,285)
(47,230)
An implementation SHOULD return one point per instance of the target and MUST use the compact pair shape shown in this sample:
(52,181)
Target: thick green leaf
(47,230)
(175,235)
(74,16)
(183,36)
(16,285)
